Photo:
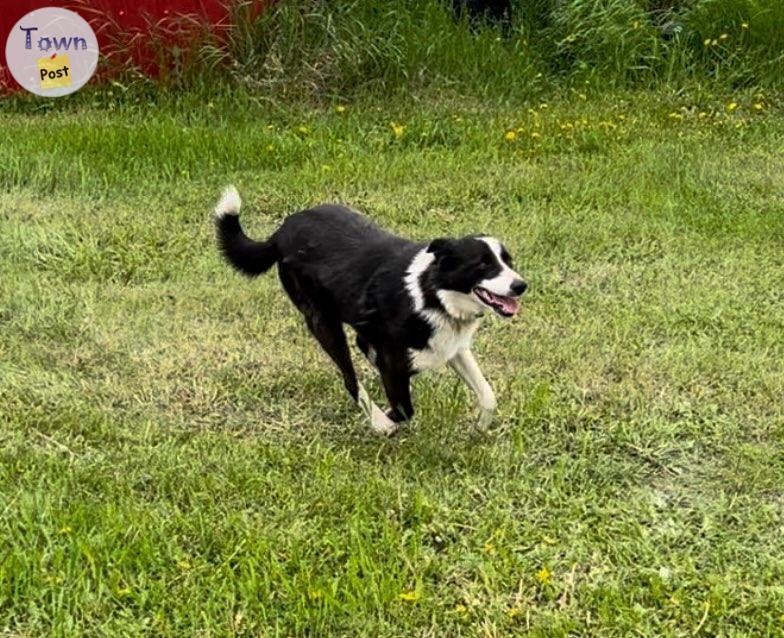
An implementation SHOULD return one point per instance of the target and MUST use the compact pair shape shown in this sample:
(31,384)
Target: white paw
(485,419)
(380,423)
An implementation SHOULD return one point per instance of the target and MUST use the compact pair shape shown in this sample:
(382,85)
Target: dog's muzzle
(503,305)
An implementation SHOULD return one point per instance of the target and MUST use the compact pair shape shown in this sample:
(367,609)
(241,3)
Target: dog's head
(474,273)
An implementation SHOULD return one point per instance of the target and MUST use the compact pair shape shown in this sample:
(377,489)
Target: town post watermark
(52,52)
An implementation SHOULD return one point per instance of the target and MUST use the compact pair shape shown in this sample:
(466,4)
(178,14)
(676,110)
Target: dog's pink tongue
(510,304)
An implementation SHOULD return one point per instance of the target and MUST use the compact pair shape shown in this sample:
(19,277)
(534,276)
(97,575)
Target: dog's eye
(487,260)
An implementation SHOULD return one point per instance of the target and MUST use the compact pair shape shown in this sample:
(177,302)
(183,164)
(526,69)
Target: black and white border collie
(413,306)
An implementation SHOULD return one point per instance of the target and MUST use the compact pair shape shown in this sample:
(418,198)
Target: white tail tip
(229,203)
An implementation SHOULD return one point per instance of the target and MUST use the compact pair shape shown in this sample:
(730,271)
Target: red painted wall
(122,25)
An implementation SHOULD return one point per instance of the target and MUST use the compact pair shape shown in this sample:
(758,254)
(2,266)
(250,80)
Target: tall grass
(739,41)
(318,50)
(343,48)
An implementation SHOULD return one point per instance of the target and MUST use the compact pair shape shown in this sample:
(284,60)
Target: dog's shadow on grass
(442,436)
(307,407)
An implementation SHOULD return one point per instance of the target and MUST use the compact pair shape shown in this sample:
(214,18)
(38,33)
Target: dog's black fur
(340,268)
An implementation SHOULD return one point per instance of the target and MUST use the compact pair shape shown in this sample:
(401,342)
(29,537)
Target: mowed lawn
(178,458)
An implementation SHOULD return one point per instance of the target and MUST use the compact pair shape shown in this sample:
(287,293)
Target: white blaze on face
(501,284)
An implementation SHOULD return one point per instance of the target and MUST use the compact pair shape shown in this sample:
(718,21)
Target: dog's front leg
(466,366)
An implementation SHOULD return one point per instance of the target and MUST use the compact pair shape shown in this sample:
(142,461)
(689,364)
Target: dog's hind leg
(332,338)
(329,332)
(396,379)
(369,351)
(330,335)
(466,366)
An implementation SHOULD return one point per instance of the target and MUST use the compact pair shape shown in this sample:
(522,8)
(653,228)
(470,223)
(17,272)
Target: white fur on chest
(447,339)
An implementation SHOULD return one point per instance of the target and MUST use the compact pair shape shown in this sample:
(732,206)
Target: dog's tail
(248,256)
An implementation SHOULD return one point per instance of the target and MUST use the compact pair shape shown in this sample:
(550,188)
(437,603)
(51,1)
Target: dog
(413,306)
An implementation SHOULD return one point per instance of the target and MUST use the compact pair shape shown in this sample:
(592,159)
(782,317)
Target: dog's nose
(518,287)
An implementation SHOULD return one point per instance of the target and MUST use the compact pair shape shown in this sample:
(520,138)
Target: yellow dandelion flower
(489,548)
(706,42)
(759,106)
(744,25)
(510,136)
(544,576)
(731,107)
(461,609)
(714,42)
(340,108)
(724,36)
(514,611)
(409,596)
(270,147)
(398,129)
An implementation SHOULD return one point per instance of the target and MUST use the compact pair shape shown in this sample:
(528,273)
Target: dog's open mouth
(504,306)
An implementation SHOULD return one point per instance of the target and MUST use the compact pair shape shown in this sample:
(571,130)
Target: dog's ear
(440,247)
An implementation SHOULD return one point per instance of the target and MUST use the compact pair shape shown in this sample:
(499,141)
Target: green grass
(178,458)
(316,51)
